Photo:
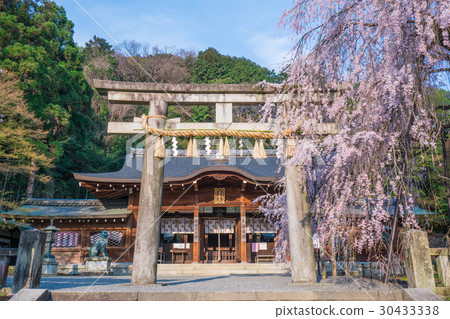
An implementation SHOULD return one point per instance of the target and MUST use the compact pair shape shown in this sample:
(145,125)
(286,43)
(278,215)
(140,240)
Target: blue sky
(247,28)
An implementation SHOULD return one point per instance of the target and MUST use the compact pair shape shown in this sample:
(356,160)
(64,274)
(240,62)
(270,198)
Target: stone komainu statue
(99,245)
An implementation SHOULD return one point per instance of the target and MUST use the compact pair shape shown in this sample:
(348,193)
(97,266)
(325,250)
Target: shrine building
(208,213)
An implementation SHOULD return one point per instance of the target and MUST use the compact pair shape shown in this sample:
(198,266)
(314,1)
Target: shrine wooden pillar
(148,222)
(205,248)
(243,228)
(196,248)
(128,239)
(84,241)
(237,239)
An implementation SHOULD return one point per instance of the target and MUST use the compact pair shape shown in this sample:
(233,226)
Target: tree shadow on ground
(173,282)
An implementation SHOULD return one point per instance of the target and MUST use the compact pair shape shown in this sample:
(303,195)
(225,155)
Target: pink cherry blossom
(369,67)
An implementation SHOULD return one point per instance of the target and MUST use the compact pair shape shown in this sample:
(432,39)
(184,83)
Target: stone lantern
(50,266)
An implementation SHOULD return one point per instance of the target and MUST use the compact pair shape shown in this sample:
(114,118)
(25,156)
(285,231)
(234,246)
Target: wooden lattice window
(115,238)
(66,239)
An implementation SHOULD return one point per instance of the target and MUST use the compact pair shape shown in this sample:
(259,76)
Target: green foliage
(23,147)
(36,44)
(173,112)
(69,119)
(432,193)
(21,134)
(40,49)
(99,59)
(202,113)
(440,97)
(213,67)
(194,113)
(437,223)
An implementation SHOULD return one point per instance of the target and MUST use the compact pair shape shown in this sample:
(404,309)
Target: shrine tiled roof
(182,168)
(11,224)
(66,209)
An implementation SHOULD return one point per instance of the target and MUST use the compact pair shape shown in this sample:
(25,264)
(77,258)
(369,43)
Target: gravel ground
(233,283)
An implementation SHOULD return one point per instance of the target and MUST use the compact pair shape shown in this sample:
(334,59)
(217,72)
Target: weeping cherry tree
(369,67)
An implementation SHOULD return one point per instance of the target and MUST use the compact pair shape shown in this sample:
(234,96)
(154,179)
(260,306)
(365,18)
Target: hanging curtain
(223,226)
(177,226)
(259,225)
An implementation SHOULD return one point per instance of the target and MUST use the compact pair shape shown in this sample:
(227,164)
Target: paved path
(233,283)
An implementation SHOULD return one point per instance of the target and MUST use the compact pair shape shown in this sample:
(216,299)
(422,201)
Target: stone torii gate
(223,96)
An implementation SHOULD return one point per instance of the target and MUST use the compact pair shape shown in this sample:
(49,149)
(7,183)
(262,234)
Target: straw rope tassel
(160,150)
(226,148)
(290,147)
(189,149)
(262,151)
(205,133)
(194,148)
(221,147)
(256,153)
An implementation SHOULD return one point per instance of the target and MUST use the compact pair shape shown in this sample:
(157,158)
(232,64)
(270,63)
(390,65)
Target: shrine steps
(208,269)
(349,295)
(124,269)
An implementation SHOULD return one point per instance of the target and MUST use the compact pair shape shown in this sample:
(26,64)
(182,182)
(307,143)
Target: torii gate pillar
(301,249)
(148,224)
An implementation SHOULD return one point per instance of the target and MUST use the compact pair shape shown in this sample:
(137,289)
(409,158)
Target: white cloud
(275,51)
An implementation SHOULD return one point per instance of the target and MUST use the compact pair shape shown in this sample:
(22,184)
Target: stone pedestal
(29,259)
(419,269)
(50,267)
(98,265)
(4,265)
(443,267)
(5,255)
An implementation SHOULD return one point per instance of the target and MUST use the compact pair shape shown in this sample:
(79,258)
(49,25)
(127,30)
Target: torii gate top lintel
(105,86)
(183,94)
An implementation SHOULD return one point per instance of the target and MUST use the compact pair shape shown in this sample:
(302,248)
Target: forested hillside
(53,123)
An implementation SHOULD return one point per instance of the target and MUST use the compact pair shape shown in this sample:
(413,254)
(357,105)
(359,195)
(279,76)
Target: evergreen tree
(36,43)
(213,67)
(23,148)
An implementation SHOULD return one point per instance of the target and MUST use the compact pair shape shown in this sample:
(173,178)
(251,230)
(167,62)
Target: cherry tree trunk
(31,179)
(446,172)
